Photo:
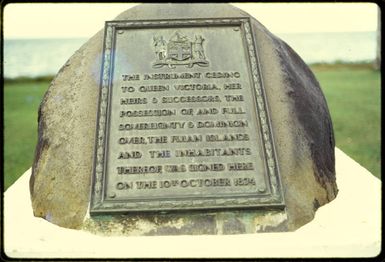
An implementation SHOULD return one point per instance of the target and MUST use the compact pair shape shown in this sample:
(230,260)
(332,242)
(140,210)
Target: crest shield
(179,50)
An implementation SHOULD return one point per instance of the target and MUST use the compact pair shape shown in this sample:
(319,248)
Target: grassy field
(21,102)
(352,92)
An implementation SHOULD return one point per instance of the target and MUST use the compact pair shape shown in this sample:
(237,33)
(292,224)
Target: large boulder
(60,184)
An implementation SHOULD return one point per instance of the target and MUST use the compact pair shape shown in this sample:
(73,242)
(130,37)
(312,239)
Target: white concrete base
(349,226)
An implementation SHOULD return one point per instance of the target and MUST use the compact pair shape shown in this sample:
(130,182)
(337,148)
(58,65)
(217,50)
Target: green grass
(353,97)
(21,103)
(352,93)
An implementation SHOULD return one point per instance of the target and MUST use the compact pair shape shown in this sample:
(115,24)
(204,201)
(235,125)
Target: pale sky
(84,20)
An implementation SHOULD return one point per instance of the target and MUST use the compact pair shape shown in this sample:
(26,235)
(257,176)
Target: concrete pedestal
(349,226)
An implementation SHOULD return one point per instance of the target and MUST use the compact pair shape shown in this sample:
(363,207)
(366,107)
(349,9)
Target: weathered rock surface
(60,184)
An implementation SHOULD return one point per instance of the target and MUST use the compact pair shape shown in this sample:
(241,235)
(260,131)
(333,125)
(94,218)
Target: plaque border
(98,202)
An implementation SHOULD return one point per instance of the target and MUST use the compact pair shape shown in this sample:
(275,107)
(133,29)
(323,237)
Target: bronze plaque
(183,121)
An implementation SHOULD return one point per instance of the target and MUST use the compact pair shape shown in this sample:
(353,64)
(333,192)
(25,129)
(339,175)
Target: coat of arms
(179,51)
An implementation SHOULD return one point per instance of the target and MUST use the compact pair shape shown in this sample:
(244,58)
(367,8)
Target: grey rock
(60,184)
